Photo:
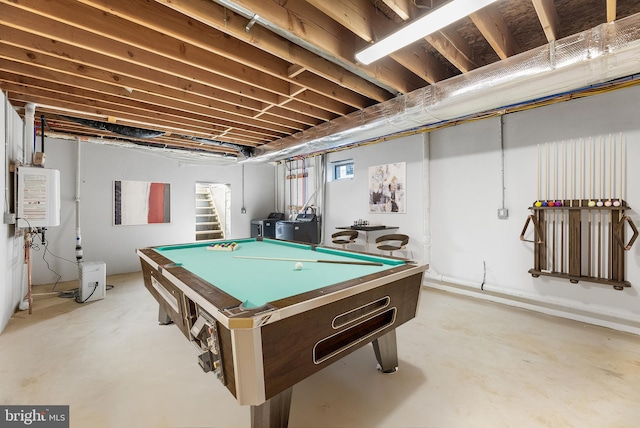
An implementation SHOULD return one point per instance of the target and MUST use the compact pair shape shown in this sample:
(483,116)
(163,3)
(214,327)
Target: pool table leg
(163,317)
(272,413)
(386,351)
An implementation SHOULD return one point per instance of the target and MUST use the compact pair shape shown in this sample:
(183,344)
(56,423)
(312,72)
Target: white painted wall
(12,288)
(116,245)
(469,249)
(348,200)
(454,189)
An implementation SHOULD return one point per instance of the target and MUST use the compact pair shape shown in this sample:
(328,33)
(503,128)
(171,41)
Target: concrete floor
(463,363)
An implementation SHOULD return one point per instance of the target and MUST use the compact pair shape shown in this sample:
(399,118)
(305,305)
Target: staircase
(207,222)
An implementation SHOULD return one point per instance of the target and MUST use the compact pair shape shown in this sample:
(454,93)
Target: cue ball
(298,266)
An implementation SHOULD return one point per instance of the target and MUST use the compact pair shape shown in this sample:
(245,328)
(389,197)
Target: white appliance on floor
(93,282)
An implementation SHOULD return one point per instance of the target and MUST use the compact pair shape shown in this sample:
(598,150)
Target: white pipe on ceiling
(29,135)
(187,158)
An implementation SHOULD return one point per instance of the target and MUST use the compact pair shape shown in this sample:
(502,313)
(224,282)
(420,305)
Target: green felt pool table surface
(256,281)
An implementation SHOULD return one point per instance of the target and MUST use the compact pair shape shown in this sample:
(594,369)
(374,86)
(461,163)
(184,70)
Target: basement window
(342,170)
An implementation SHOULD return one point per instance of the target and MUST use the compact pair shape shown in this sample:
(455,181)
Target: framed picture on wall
(141,202)
(387,184)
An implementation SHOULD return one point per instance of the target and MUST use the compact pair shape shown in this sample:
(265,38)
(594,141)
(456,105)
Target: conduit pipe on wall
(604,53)
(77,199)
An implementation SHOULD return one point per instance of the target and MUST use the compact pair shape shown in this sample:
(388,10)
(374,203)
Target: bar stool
(392,242)
(344,237)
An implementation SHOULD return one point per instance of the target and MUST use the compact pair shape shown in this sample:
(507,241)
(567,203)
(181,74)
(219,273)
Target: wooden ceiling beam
(94,96)
(611,10)
(493,27)
(110,50)
(153,119)
(215,16)
(366,22)
(305,22)
(548,16)
(165,21)
(402,8)
(80,61)
(451,46)
(167,87)
(99,115)
(120,39)
(156,17)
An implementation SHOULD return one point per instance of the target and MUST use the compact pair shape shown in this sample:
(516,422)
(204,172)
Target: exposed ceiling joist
(196,72)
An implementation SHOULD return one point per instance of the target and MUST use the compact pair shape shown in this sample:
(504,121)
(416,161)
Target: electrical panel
(38,197)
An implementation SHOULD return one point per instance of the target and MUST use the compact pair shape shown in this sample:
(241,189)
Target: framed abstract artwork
(141,202)
(387,184)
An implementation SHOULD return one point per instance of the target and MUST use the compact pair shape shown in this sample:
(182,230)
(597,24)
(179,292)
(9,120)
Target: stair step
(208,232)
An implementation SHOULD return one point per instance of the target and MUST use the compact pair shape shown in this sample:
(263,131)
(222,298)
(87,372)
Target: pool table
(266,313)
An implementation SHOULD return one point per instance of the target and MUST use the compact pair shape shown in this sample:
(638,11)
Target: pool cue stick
(581,172)
(564,203)
(571,177)
(621,175)
(553,221)
(581,193)
(538,201)
(600,204)
(339,262)
(618,203)
(546,204)
(607,203)
(546,176)
(589,204)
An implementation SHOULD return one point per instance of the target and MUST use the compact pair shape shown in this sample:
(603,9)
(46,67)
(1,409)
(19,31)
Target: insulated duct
(134,132)
(128,131)
(245,151)
(185,156)
(604,53)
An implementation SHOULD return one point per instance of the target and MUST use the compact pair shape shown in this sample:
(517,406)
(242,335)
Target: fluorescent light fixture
(420,28)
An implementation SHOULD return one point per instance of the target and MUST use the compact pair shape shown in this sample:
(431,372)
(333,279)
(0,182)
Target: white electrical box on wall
(38,197)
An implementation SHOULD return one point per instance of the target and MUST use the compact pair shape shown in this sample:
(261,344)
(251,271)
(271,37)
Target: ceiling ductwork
(127,131)
(607,52)
(134,132)
(184,155)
